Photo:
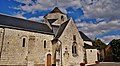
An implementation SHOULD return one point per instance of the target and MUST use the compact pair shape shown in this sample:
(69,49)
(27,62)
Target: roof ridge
(56,10)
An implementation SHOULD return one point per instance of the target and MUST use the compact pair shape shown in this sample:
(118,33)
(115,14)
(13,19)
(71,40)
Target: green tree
(98,44)
(115,44)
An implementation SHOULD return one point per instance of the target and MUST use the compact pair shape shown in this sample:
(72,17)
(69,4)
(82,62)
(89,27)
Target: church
(54,42)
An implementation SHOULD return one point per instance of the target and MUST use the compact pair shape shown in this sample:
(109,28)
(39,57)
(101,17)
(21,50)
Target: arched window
(44,43)
(62,18)
(23,45)
(74,49)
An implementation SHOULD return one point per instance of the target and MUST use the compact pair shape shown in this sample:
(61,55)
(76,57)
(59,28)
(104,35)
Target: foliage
(116,49)
(98,44)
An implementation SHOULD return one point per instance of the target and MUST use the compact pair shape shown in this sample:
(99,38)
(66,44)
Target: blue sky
(96,18)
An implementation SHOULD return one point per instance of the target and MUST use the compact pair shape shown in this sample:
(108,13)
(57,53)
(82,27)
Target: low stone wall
(39,64)
(25,65)
(13,65)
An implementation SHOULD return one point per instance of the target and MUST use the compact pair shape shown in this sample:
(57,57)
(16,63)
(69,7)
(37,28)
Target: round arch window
(62,18)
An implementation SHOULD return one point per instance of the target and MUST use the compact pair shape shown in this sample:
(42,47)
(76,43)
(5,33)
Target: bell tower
(56,17)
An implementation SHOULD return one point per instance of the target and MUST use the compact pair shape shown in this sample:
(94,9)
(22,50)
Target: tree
(115,44)
(98,44)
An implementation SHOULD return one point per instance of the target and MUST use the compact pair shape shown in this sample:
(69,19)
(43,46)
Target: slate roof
(61,29)
(56,10)
(51,20)
(84,37)
(22,24)
(86,46)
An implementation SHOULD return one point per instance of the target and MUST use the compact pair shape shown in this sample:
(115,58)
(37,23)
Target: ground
(107,64)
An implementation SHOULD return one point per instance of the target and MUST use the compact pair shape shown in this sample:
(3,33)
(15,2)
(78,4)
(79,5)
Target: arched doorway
(49,60)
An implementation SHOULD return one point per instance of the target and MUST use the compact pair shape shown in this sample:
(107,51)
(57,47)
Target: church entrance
(49,60)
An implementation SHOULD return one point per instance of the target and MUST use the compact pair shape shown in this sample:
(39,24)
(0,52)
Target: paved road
(107,64)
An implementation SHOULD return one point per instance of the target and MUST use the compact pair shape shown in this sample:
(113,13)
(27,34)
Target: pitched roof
(51,20)
(22,24)
(84,37)
(56,10)
(61,29)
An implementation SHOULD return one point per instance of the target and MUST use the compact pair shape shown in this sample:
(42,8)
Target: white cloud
(102,8)
(19,15)
(47,4)
(36,18)
(107,39)
(92,8)
(24,1)
(93,30)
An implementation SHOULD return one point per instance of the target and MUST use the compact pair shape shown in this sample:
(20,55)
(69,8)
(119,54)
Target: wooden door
(49,60)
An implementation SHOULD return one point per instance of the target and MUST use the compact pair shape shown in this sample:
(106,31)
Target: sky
(96,18)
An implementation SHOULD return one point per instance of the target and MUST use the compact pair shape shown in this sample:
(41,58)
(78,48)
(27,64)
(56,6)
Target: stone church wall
(14,53)
(60,18)
(67,41)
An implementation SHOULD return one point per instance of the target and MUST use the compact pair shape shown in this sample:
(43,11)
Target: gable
(70,30)
(61,29)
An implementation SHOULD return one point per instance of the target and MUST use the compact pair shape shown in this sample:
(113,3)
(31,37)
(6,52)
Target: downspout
(2,42)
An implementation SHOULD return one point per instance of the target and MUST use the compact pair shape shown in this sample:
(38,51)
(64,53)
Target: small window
(44,43)
(74,37)
(90,50)
(74,49)
(62,18)
(23,42)
(65,47)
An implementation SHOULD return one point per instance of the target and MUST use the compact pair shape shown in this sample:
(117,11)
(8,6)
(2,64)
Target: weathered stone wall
(60,18)
(66,40)
(91,56)
(13,52)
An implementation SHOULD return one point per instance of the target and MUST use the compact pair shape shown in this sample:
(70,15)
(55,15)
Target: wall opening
(90,50)
(49,60)
(74,37)
(23,42)
(74,49)
(44,43)
(62,18)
